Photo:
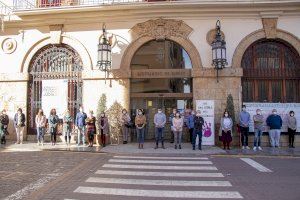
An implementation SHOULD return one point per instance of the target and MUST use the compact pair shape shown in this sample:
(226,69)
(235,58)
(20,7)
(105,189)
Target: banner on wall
(283,110)
(55,95)
(207,108)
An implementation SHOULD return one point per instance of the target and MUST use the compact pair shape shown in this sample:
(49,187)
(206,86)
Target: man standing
(80,126)
(258,120)
(274,121)
(190,124)
(159,121)
(171,122)
(4,121)
(244,126)
(198,124)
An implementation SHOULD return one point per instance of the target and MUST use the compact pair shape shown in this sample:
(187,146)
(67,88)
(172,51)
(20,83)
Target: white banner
(207,108)
(283,110)
(55,95)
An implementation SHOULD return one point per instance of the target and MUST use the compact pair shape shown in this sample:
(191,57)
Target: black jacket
(198,123)
(22,120)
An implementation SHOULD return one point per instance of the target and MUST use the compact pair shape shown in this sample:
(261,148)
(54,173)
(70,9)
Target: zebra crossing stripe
(159,182)
(256,165)
(166,174)
(161,162)
(163,158)
(161,167)
(160,193)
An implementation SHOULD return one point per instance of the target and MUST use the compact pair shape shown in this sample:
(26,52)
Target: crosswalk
(138,177)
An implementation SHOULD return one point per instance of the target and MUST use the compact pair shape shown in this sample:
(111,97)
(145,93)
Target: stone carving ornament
(9,45)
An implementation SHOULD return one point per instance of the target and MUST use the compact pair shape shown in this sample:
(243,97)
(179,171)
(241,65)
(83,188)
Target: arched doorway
(160,78)
(271,72)
(54,62)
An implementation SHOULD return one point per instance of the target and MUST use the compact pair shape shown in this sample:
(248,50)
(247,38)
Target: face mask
(226,115)
(259,113)
(124,112)
(198,114)
(159,111)
(274,113)
(140,113)
(102,115)
(292,115)
(81,110)
(244,109)
(4,113)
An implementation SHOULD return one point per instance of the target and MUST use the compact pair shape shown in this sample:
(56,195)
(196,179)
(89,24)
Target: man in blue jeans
(258,120)
(159,121)
(197,130)
(80,126)
(274,121)
(244,127)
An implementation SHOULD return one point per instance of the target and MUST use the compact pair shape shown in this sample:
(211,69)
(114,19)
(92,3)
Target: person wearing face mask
(4,121)
(258,120)
(244,126)
(198,125)
(190,125)
(140,123)
(274,122)
(125,120)
(177,129)
(19,122)
(91,127)
(104,128)
(67,127)
(53,124)
(159,121)
(292,127)
(171,122)
(80,126)
(226,130)
(40,122)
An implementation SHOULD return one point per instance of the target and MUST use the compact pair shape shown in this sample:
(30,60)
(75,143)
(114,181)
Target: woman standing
(67,127)
(40,121)
(125,120)
(177,129)
(91,127)
(226,130)
(104,128)
(140,123)
(19,122)
(292,127)
(4,121)
(53,123)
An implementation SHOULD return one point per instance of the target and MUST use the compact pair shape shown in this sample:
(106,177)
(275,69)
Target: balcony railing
(4,9)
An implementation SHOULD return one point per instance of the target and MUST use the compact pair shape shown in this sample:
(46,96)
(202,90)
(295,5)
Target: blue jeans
(159,135)
(140,135)
(274,135)
(40,134)
(81,135)
(195,133)
(257,137)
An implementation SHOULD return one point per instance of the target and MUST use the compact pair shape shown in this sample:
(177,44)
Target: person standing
(19,122)
(80,126)
(160,122)
(177,129)
(190,124)
(103,128)
(140,123)
(226,130)
(198,125)
(244,127)
(67,127)
(91,127)
(40,122)
(125,121)
(292,127)
(258,120)
(53,123)
(4,121)
(274,121)
(171,122)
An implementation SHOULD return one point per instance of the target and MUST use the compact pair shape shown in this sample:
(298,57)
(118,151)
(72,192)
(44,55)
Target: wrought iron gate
(54,62)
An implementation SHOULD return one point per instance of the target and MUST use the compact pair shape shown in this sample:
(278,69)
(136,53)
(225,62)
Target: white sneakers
(245,147)
(259,148)
(254,148)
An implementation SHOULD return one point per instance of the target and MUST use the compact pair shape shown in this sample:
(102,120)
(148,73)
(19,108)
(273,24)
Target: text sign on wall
(207,108)
(283,110)
(55,95)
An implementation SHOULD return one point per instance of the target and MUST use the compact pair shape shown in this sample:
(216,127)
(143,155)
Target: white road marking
(160,193)
(163,158)
(166,174)
(162,161)
(160,167)
(256,165)
(159,182)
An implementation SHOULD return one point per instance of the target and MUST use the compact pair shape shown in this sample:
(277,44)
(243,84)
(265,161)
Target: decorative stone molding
(160,29)
(260,34)
(56,33)
(13,77)
(270,27)
(9,45)
(210,36)
(206,72)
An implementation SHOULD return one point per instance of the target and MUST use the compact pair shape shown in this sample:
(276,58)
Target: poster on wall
(55,95)
(283,110)
(207,108)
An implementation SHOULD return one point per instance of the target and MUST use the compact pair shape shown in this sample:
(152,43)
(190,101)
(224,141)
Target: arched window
(271,72)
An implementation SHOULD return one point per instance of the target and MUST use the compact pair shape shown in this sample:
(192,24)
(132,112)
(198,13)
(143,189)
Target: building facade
(161,54)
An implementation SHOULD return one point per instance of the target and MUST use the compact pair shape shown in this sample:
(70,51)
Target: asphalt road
(86,176)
